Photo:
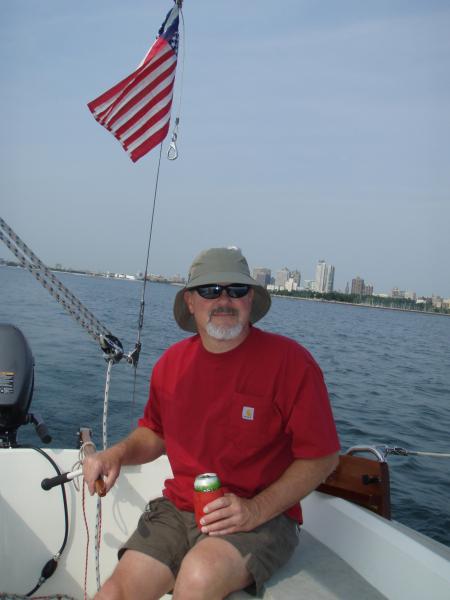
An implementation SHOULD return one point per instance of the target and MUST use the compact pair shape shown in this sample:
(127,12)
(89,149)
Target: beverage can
(207,487)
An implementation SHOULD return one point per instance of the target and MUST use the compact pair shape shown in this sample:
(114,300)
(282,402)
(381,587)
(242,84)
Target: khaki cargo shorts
(167,534)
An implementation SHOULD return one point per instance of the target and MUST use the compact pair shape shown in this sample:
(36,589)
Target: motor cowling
(16,379)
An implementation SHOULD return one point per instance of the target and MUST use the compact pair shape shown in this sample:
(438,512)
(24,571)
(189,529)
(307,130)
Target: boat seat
(315,573)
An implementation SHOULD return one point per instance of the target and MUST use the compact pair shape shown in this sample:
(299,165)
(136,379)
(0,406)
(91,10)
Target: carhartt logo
(248,413)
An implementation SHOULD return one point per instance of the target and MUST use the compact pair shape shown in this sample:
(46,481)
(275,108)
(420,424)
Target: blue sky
(309,130)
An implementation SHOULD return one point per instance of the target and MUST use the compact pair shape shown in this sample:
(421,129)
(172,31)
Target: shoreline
(361,305)
(160,279)
(113,276)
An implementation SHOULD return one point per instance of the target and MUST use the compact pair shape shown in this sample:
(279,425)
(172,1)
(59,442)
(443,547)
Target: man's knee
(198,571)
(211,573)
(137,576)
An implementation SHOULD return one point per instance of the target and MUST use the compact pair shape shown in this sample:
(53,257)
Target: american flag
(137,110)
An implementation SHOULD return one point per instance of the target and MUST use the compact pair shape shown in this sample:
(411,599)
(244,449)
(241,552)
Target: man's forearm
(299,479)
(142,446)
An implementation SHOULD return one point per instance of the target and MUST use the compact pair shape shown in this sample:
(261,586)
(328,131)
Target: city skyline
(298,278)
(355,285)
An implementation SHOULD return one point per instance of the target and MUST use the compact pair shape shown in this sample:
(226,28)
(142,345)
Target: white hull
(344,551)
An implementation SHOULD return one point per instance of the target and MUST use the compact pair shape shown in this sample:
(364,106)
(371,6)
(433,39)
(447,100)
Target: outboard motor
(16,386)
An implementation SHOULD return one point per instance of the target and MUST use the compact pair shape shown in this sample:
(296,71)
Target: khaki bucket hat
(220,265)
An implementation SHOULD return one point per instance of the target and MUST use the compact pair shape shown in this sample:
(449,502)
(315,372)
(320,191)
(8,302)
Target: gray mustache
(222,310)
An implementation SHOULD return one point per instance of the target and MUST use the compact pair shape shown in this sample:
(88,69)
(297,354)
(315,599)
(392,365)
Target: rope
(404,452)
(98,534)
(105,405)
(433,454)
(98,516)
(86,560)
(52,284)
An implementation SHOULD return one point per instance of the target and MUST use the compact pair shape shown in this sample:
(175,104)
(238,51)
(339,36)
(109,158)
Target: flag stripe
(106,102)
(153,105)
(98,105)
(153,141)
(134,99)
(108,97)
(147,128)
(139,83)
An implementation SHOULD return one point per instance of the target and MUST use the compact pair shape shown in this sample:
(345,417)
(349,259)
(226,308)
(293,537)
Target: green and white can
(207,482)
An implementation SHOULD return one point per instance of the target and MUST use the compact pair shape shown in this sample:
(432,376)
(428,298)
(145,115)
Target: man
(248,405)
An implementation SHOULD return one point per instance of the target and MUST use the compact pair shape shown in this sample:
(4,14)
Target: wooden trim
(362,481)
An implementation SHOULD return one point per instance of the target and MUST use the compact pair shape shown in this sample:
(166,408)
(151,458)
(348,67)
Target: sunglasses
(213,291)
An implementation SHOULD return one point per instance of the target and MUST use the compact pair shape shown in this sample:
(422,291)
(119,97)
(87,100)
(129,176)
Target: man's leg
(137,576)
(211,570)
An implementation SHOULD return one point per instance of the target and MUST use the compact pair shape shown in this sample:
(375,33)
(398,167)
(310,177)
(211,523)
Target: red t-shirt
(245,414)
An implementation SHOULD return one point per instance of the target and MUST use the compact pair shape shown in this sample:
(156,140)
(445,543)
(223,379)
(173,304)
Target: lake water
(388,374)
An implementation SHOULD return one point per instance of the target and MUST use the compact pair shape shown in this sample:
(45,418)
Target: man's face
(223,318)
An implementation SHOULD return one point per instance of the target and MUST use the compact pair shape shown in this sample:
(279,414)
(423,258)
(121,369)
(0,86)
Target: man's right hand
(141,446)
(105,465)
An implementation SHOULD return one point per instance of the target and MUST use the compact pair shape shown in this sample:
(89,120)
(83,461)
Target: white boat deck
(344,551)
(315,572)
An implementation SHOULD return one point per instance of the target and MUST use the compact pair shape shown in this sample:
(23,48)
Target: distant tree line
(376,301)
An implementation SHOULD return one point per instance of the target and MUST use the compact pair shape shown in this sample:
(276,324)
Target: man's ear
(187,296)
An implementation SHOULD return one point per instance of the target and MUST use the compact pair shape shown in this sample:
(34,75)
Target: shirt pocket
(253,421)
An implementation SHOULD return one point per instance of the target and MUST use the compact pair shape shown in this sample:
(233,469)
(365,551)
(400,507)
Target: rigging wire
(172,151)
(172,154)
(134,356)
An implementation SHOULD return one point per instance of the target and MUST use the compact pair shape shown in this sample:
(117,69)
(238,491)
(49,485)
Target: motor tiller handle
(87,448)
(51,482)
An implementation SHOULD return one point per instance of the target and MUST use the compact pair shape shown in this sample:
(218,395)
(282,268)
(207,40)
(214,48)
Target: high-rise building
(262,275)
(409,295)
(291,285)
(330,278)
(358,286)
(281,277)
(309,285)
(296,276)
(324,277)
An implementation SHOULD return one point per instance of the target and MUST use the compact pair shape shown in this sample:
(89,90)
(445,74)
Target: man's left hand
(229,514)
